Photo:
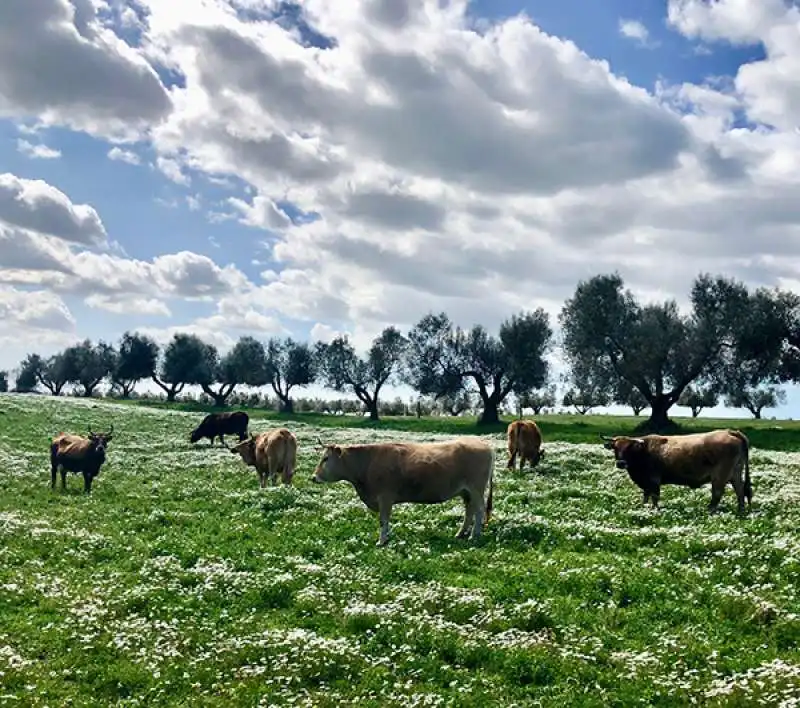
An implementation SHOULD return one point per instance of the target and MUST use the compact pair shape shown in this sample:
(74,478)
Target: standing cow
(524,439)
(719,457)
(270,452)
(384,474)
(75,453)
(221,424)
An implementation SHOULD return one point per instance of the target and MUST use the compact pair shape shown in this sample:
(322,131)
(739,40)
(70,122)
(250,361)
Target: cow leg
(512,459)
(655,495)
(87,482)
(645,496)
(738,486)
(385,513)
(469,514)
(717,490)
(262,479)
(53,473)
(478,513)
(63,479)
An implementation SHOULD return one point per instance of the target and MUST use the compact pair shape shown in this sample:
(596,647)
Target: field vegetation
(179,582)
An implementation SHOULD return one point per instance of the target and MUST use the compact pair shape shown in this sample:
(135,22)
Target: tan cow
(524,439)
(718,457)
(269,452)
(384,474)
(75,453)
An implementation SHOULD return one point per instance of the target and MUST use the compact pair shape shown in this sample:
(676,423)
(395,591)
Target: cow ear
(638,442)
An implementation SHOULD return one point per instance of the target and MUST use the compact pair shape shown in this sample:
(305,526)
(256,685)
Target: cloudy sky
(251,166)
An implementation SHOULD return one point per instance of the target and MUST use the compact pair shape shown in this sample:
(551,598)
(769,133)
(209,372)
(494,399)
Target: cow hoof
(382,542)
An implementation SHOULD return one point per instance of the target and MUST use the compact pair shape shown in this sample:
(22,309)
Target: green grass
(771,434)
(178,582)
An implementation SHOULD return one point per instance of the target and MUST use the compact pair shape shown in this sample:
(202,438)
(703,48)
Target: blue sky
(336,162)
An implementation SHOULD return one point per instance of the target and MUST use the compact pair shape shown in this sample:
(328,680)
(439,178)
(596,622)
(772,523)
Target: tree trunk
(490,414)
(696,412)
(372,407)
(285,404)
(756,413)
(659,408)
(171,393)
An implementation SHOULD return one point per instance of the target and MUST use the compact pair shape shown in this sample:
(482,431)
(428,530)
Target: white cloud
(37,152)
(769,89)
(59,63)
(37,206)
(634,29)
(448,169)
(128,305)
(117,153)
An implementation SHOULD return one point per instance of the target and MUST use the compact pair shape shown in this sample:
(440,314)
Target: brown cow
(75,453)
(384,474)
(691,461)
(524,439)
(269,452)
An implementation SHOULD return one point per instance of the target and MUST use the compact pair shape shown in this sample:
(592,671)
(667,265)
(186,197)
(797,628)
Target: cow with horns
(75,453)
(719,457)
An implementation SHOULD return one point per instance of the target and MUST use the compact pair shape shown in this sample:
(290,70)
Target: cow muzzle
(315,480)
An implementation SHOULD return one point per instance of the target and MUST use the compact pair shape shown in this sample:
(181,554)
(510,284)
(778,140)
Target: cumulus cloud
(434,165)
(37,206)
(634,29)
(33,319)
(37,152)
(121,155)
(59,63)
(769,89)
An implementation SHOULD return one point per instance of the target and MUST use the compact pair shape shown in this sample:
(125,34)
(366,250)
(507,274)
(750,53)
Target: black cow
(221,424)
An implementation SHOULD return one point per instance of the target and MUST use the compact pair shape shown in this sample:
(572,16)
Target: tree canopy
(289,364)
(136,360)
(342,369)
(654,348)
(441,356)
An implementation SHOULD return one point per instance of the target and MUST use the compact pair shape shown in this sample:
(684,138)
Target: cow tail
(491,488)
(748,487)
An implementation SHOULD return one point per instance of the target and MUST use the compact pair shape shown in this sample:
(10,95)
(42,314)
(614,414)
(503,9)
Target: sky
(230,167)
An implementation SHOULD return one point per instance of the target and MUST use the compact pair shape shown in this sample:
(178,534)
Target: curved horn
(319,441)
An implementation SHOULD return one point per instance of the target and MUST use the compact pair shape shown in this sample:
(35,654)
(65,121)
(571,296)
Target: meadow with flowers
(179,582)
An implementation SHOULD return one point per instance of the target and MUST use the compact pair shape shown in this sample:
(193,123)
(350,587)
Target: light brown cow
(384,474)
(718,457)
(270,452)
(524,439)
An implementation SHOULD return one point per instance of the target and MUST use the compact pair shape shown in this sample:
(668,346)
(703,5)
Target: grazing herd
(386,474)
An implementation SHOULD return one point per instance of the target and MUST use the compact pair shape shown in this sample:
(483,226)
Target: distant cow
(75,453)
(384,474)
(221,424)
(718,457)
(524,439)
(271,452)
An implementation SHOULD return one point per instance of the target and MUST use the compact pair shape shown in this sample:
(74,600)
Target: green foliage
(538,400)
(3,381)
(289,364)
(656,349)
(189,360)
(342,369)
(441,357)
(136,360)
(626,394)
(696,399)
(756,399)
(89,364)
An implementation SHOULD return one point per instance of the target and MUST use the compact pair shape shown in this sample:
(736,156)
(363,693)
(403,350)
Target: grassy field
(179,582)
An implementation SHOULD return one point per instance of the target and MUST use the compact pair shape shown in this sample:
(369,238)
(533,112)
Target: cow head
(330,467)
(104,437)
(246,449)
(624,448)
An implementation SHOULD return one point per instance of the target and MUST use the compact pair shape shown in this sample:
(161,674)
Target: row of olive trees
(733,343)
